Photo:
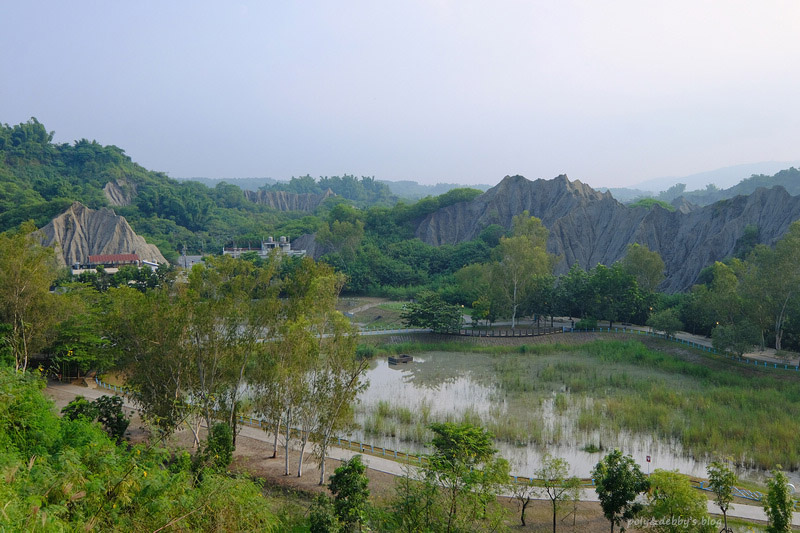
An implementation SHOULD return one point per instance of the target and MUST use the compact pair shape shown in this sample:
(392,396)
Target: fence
(528,332)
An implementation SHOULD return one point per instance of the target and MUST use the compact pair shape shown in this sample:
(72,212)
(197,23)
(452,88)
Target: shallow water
(450,385)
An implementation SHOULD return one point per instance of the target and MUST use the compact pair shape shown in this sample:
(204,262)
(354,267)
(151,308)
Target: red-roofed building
(113,260)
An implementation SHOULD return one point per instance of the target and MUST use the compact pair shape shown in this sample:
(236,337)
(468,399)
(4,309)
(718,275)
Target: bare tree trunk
(286,444)
(276,431)
(195,429)
(303,441)
(322,452)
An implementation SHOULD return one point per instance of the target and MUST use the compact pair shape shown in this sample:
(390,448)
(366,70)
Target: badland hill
(588,227)
(80,232)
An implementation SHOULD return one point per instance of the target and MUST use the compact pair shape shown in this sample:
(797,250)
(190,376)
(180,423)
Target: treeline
(750,301)
(361,192)
(236,337)
(746,301)
(515,279)
(457,488)
(40,179)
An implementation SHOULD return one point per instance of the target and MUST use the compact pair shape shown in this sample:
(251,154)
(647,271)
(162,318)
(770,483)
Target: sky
(611,92)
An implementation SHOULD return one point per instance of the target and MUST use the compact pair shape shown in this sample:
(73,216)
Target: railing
(526,332)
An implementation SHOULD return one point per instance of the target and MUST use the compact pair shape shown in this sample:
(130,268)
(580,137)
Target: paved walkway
(63,393)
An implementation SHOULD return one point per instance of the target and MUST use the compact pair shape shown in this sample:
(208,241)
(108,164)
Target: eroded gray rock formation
(80,232)
(288,201)
(120,192)
(588,228)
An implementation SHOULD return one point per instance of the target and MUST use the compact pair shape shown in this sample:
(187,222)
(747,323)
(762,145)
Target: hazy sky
(609,92)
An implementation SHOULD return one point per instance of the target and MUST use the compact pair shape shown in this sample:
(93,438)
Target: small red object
(648,458)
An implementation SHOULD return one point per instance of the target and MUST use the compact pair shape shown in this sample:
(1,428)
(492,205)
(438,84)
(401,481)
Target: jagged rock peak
(80,232)
(560,183)
(545,199)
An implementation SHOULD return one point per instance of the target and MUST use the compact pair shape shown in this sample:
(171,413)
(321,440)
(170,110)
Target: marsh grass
(710,406)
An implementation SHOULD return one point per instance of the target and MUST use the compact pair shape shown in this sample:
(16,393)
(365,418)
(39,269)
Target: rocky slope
(288,201)
(120,192)
(80,232)
(587,227)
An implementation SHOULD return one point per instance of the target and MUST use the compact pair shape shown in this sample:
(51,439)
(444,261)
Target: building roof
(114,258)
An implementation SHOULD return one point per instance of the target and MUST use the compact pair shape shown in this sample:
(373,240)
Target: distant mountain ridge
(588,227)
(789,179)
(722,178)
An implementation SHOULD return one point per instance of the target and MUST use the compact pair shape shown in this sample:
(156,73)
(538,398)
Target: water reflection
(450,386)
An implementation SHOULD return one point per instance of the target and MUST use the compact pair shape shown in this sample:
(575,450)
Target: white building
(282,245)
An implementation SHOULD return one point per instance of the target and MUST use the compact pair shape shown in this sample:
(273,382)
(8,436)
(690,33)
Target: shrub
(80,407)
(217,453)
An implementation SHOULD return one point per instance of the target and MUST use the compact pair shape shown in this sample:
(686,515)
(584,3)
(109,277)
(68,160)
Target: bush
(80,407)
(365,351)
(217,454)
(110,415)
(586,323)
(321,516)
(106,409)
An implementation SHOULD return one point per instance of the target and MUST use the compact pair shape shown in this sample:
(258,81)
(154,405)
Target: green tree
(667,321)
(573,293)
(674,506)
(462,462)
(65,474)
(80,343)
(722,479)
(779,503)
(79,407)
(738,338)
(350,491)
(27,270)
(618,481)
(520,259)
(111,416)
(342,236)
(556,482)
(723,296)
(431,311)
(148,334)
(616,295)
(779,277)
(645,266)
(217,453)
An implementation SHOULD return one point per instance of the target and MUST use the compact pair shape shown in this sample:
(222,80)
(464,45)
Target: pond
(530,421)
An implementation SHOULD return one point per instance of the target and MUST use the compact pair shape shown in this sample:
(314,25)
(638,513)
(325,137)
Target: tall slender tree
(27,270)
(722,479)
(520,259)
